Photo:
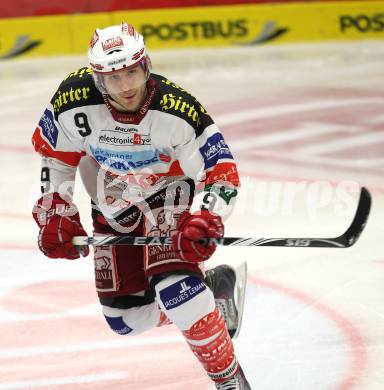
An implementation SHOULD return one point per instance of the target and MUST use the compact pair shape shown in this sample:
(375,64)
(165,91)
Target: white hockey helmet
(115,48)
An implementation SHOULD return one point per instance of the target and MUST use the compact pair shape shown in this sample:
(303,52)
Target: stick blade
(357,226)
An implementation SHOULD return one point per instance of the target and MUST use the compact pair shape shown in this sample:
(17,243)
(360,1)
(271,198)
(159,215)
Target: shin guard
(210,341)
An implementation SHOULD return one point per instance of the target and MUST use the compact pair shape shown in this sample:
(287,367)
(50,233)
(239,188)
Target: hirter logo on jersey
(112,43)
(48,127)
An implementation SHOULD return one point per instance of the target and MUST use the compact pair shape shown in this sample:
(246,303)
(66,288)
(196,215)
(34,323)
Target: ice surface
(305,123)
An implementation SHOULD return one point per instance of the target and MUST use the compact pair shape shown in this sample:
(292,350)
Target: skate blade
(241,284)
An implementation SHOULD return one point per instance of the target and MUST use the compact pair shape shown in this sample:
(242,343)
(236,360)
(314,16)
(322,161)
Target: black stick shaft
(346,240)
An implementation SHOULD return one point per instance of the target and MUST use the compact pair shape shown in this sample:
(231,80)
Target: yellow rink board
(199,26)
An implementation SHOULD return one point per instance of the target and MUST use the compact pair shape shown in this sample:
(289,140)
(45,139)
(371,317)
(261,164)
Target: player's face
(127,87)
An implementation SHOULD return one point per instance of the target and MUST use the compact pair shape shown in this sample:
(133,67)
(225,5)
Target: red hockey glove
(191,229)
(58,221)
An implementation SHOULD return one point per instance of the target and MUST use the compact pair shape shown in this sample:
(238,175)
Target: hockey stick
(346,240)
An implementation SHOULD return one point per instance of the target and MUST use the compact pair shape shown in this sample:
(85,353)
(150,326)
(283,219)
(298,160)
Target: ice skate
(228,287)
(237,382)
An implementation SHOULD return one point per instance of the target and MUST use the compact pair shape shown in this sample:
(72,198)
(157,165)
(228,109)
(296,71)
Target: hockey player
(154,163)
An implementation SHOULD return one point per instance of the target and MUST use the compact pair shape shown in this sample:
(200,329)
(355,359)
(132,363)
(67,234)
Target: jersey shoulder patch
(76,90)
(174,100)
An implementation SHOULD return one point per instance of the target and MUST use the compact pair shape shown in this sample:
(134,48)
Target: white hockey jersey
(170,137)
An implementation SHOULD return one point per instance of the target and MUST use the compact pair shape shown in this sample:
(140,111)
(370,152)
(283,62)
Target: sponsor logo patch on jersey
(123,140)
(126,161)
(126,129)
(181,292)
(224,172)
(215,149)
(49,128)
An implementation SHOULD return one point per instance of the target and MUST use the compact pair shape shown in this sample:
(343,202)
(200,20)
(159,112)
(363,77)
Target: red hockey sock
(209,340)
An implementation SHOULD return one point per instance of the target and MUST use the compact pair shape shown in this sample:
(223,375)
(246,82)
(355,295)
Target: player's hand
(191,229)
(59,222)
